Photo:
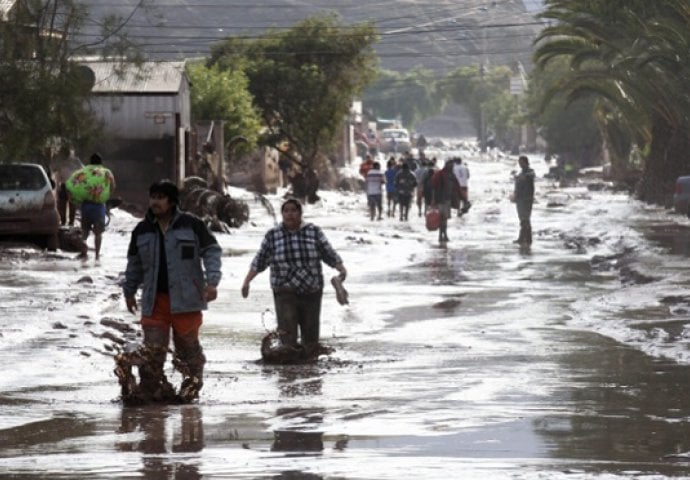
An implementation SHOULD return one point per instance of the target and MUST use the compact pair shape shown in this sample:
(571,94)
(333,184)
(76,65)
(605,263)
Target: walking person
(375,182)
(462,173)
(427,185)
(405,183)
(92,186)
(176,260)
(63,167)
(420,176)
(294,251)
(445,188)
(365,166)
(391,194)
(523,196)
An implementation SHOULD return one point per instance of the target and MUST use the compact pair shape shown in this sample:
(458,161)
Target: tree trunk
(668,159)
(305,185)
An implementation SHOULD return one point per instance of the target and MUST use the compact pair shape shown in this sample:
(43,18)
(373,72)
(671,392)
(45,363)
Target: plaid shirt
(295,257)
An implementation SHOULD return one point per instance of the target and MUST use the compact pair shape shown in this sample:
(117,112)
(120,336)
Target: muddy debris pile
(219,211)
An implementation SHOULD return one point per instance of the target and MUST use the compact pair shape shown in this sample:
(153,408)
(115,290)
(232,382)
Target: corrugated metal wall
(140,117)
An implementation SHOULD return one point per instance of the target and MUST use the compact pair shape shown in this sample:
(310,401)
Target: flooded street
(473,359)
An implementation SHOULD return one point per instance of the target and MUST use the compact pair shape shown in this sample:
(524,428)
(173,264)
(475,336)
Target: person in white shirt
(375,181)
(462,173)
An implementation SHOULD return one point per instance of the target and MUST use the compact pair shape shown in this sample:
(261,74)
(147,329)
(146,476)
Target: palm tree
(633,57)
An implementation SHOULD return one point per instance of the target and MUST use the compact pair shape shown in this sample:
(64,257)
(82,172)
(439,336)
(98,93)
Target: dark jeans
(63,204)
(405,199)
(524,209)
(298,310)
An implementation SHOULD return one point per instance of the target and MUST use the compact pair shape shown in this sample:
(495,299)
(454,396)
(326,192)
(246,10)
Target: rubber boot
(189,360)
(153,383)
(528,235)
(525,237)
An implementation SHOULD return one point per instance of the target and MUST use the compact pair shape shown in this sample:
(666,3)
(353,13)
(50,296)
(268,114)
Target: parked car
(681,195)
(395,140)
(27,205)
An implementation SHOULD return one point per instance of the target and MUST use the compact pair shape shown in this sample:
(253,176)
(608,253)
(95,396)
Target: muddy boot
(153,383)
(189,361)
(525,237)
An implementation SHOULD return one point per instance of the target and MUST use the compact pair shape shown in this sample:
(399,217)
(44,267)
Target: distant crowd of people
(407,178)
(444,188)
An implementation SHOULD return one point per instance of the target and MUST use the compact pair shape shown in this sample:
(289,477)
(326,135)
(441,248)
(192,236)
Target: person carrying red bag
(445,193)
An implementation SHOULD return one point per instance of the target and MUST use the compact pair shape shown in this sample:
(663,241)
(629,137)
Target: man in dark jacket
(523,196)
(445,195)
(165,257)
(405,183)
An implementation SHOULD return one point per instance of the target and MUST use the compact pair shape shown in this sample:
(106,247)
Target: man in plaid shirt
(294,251)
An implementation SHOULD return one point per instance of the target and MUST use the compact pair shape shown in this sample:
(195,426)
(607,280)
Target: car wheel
(52,242)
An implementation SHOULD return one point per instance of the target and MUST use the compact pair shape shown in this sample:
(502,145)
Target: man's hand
(245,289)
(210,293)
(131,305)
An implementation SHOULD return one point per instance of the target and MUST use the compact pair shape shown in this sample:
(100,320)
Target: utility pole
(482,117)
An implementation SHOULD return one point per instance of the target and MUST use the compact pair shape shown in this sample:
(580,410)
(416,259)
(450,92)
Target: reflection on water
(152,422)
(294,441)
(626,407)
(445,266)
(297,380)
(297,475)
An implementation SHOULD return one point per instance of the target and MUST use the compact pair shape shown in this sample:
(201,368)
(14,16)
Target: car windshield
(21,177)
(394,134)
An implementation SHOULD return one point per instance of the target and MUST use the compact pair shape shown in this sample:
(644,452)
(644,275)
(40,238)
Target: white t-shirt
(462,173)
(375,181)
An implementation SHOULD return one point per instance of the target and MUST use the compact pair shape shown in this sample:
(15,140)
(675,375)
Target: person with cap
(294,251)
(523,196)
(176,260)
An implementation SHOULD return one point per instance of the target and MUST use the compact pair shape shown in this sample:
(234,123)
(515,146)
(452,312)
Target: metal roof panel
(150,77)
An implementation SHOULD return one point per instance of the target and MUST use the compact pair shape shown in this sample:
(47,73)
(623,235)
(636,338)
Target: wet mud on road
(469,360)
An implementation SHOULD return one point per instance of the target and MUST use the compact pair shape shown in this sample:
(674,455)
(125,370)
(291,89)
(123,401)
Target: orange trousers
(182,324)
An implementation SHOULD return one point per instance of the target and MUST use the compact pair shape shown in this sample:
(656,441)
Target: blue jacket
(188,244)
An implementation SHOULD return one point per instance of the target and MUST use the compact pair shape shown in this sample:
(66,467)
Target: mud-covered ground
(473,359)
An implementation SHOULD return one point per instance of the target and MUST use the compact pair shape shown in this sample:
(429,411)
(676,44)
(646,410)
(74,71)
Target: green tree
(484,92)
(44,92)
(223,95)
(570,128)
(632,57)
(411,96)
(303,81)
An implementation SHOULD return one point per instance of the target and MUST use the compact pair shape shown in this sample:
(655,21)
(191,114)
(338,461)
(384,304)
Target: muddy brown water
(539,398)
(464,363)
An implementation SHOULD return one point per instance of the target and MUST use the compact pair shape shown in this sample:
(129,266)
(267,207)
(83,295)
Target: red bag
(433,219)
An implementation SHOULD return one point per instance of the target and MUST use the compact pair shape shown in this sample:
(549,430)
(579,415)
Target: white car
(395,140)
(27,204)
